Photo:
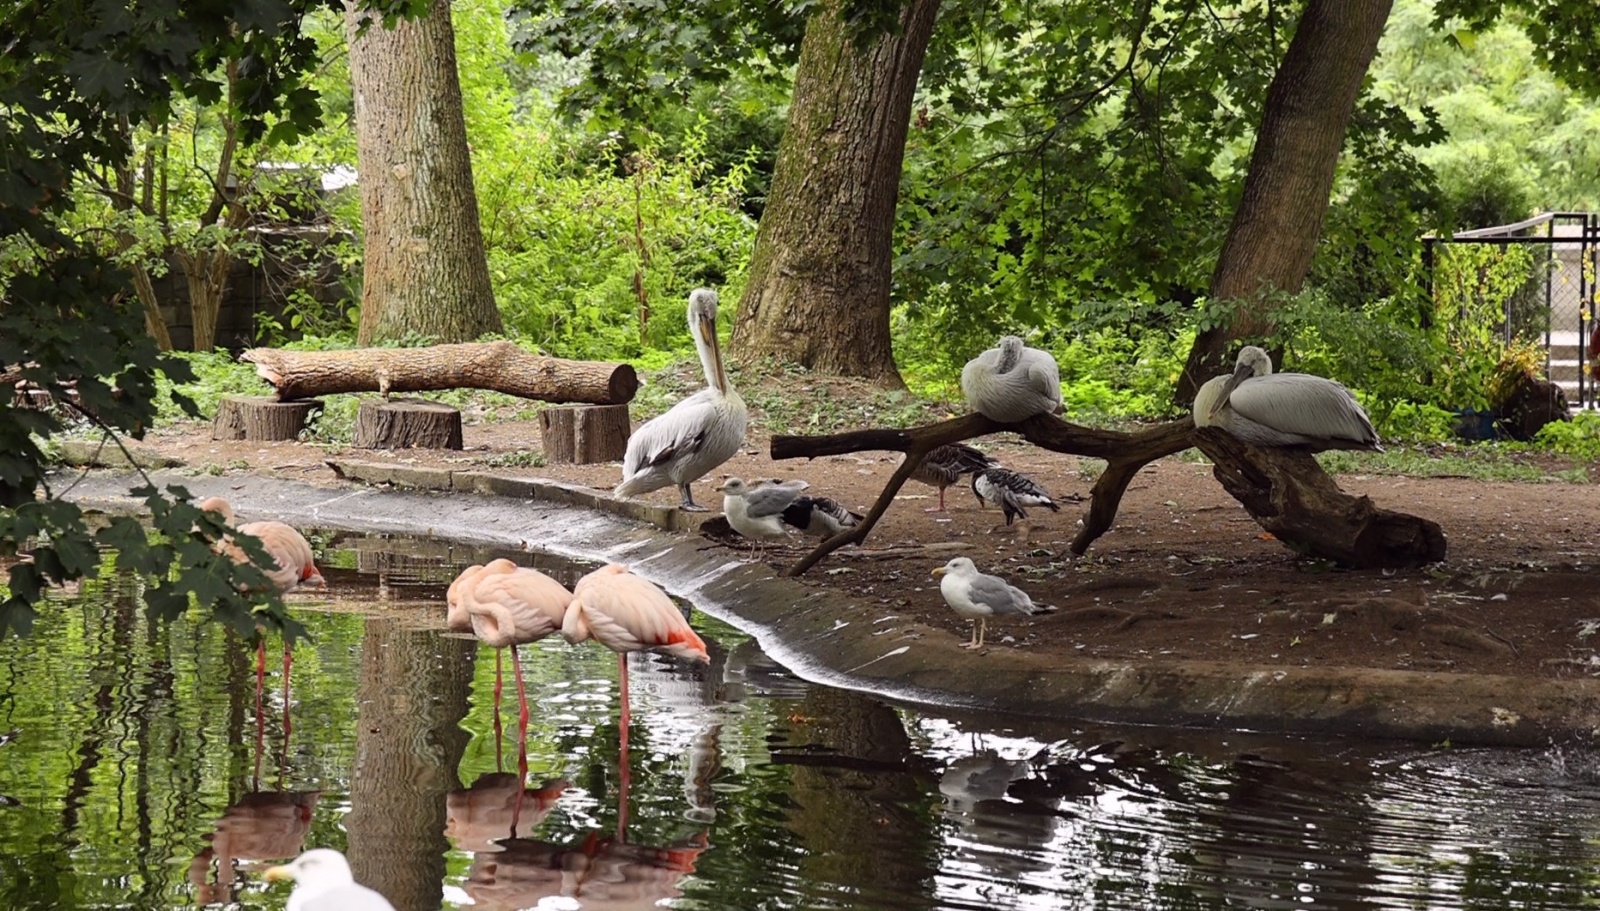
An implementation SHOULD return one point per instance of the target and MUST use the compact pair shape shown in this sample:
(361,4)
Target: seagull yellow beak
(939,570)
(278,874)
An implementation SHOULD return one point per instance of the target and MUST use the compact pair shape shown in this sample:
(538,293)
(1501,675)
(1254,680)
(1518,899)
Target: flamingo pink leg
(522,694)
(624,771)
(499,763)
(288,662)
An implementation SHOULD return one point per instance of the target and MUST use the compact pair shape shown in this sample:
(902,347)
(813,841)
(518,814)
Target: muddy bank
(830,638)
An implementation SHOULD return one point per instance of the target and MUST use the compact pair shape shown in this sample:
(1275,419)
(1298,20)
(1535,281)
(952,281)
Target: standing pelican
(1283,409)
(979,596)
(697,434)
(626,614)
(1012,382)
(945,465)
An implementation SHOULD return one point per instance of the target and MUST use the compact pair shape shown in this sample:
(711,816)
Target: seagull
(1011,491)
(697,434)
(756,512)
(977,596)
(322,882)
(1012,382)
(945,465)
(1283,409)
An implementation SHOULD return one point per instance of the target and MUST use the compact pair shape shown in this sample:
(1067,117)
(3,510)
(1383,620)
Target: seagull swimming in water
(699,433)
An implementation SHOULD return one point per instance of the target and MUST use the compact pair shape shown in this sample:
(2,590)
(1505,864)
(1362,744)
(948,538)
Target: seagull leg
(973,642)
(686,501)
(983,627)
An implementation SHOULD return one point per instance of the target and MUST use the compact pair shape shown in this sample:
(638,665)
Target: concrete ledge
(825,636)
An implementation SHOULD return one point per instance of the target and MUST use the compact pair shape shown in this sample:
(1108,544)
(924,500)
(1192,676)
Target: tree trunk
(409,741)
(406,424)
(500,366)
(258,417)
(1275,229)
(206,272)
(153,322)
(818,293)
(584,434)
(424,271)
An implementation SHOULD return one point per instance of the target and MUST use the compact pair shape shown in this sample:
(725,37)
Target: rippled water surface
(138,770)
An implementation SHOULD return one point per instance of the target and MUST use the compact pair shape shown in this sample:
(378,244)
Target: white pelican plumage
(1283,409)
(1012,382)
(700,432)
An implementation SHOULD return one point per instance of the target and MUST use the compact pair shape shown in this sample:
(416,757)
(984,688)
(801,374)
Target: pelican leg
(686,499)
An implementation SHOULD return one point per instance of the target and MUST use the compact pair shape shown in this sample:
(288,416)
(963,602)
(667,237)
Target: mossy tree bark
(423,266)
(818,293)
(1274,232)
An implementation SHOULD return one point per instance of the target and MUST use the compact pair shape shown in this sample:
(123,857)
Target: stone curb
(828,638)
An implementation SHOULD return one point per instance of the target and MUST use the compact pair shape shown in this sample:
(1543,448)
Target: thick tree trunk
(406,424)
(409,741)
(206,273)
(257,417)
(500,366)
(818,293)
(1275,229)
(424,270)
(584,434)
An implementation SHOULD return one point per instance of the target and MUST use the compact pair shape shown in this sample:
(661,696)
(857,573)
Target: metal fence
(1559,300)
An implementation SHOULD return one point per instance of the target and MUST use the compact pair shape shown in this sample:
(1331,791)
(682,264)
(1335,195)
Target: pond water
(136,772)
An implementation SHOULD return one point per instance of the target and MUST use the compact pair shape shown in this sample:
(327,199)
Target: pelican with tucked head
(1012,382)
(1283,409)
(700,432)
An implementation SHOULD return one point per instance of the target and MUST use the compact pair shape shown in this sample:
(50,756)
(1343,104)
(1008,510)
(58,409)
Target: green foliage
(1474,285)
(1578,438)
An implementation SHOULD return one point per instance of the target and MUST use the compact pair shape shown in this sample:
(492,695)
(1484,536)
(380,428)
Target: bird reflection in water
(495,807)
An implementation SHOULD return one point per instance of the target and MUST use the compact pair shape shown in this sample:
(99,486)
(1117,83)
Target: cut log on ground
(1290,495)
(584,434)
(259,417)
(500,366)
(406,424)
(1125,454)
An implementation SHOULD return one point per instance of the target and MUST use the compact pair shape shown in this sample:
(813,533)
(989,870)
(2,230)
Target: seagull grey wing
(1299,403)
(768,501)
(999,596)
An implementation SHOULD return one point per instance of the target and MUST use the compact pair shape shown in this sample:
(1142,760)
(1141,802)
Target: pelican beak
(1240,374)
(939,571)
(278,874)
(708,330)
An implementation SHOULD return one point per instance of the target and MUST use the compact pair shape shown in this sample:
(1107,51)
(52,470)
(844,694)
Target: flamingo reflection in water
(477,818)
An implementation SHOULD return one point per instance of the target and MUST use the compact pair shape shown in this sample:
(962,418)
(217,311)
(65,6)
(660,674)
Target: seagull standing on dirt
(756,512)
(1011,491)
(323,882)
(978,596)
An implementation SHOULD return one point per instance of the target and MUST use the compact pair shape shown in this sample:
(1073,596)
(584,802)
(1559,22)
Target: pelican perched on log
(700,432)
(1283,409)
(1012,382)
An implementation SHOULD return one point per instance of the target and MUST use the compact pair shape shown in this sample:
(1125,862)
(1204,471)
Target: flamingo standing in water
(510,605)
(293,566)
(626,613)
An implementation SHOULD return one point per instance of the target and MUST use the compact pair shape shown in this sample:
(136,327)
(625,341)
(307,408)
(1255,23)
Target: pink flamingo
(293,565)
(510,605)
(626,613)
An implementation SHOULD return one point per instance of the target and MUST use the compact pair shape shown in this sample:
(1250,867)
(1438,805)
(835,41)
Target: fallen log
(1289,495)
(500,366)
(1125,454)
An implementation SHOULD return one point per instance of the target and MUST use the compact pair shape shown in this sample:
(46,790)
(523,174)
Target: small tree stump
(257,417)
(405,424)
(584,434)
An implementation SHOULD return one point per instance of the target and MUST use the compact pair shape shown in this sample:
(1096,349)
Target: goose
(1011,491)
(697,434)
(1283,409)
(945,465)
(1012,382)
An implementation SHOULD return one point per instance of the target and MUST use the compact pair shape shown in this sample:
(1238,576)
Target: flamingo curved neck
(493,623)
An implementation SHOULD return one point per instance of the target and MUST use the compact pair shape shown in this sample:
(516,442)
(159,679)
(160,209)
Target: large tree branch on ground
(1125,454)
(1285,490)
(1290,495)
(500,366)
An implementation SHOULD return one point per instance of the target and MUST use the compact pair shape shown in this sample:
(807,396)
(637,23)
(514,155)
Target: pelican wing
(1300,403)
(674,435)
(1043,374)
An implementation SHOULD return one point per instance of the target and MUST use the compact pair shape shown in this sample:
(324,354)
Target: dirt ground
(1184,573)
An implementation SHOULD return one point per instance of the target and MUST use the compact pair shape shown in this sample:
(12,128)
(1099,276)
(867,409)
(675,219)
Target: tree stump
(584,434)
(258,417)
(406,424)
